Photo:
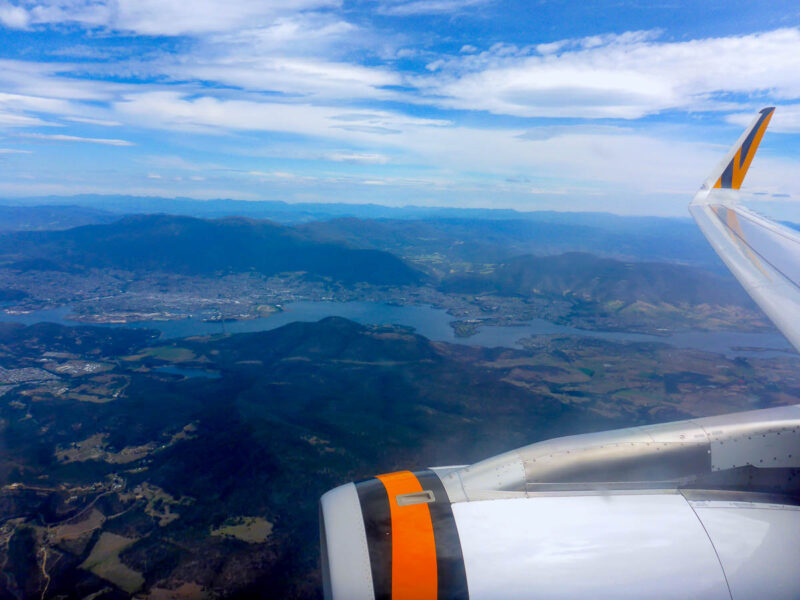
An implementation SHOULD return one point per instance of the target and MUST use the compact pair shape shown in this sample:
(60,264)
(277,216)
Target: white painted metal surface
(776,294)
(600,547)
(349,574)
(766,438)
(758,545)
(763,255)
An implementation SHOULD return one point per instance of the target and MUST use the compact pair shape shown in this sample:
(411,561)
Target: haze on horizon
(598,106)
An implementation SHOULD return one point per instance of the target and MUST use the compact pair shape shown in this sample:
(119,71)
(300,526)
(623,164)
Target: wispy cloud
(172,110)
(155,17)
(290,76)
(14,151)
(404,8)
(786,119)
(260,95)
(12,16)
(91,121)
(618,76)
(360,158)
(56,137)
(11,119)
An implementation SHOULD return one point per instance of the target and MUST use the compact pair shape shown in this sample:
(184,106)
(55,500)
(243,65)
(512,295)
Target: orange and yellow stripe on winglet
(734,173)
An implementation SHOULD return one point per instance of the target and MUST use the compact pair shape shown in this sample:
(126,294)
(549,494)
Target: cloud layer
(357,95)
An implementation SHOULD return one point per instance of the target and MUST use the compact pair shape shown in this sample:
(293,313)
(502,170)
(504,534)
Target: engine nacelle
(393,536)
(535,523)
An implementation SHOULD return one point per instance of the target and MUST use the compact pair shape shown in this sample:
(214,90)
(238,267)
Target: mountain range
(193,246)
(588,277)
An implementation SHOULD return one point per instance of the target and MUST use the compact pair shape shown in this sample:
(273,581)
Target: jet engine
(704,508)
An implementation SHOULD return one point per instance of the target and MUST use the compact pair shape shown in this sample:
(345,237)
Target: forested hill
(602,280)
(203,247)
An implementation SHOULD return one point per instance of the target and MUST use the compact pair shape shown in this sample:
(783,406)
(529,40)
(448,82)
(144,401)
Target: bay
(434,323)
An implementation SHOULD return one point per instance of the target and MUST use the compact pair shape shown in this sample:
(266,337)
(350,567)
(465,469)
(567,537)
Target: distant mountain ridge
(193,246)
(494,240)
(290,212)
(469,234)
(51,217)
(589,277)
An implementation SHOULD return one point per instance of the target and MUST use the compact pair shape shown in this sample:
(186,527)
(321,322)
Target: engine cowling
(706,508)
(392,536)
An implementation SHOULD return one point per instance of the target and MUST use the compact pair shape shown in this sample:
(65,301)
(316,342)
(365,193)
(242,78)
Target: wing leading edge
(763,255)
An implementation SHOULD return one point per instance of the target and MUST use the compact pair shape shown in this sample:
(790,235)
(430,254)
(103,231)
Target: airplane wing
(763,255)
(704,508)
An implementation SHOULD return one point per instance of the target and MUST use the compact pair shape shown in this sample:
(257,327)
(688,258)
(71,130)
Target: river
(434,324)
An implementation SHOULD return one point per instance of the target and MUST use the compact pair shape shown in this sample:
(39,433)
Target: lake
(434,324)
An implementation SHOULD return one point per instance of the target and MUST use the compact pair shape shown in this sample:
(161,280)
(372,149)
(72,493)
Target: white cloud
(9,119)
(40,82)
(299,34)
(626,76)
(176,17)
(785,119)
(12,16)
(545,132)
(301,54)
(356,157)
(34,93)
(173,162)
(404,8)
(158,17)
(74,138)
(172,110)
(21,103)
(600,158)
(14,151)
(90,121)
(273,174)
(326,80)
(291,76)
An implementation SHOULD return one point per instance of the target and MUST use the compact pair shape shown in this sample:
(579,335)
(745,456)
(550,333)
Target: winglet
(730,173)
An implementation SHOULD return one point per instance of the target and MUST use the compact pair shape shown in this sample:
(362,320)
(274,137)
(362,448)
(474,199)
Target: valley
(169,432)
(121,475)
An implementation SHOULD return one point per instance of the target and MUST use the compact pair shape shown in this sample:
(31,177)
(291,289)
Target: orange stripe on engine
(414,574)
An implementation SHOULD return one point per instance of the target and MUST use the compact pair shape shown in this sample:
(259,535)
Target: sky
(618,106)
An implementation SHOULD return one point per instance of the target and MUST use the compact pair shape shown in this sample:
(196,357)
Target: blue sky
(612,106)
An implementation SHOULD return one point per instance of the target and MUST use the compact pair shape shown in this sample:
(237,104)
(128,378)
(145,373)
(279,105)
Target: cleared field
(92,448)
(186,591)
(254,530)
(73,531)
(159,503)
(104,562)
(171,353)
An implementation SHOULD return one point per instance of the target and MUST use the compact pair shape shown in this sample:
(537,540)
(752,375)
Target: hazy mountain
(490,241)
(283,212)
(472,235)
(202,247)
(299,212)
(598,279)
(37,218)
